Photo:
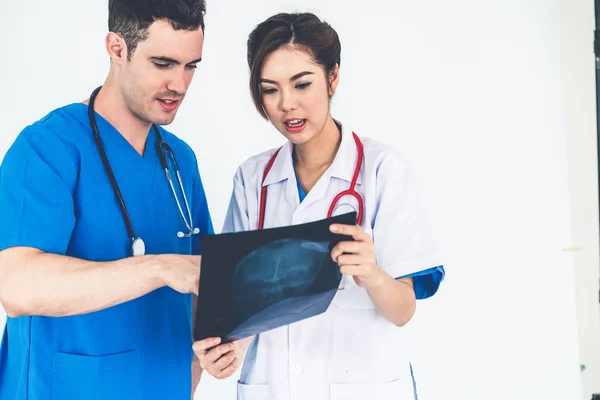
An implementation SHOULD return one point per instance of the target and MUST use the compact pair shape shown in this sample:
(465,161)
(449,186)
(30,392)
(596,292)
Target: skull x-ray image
(255,281)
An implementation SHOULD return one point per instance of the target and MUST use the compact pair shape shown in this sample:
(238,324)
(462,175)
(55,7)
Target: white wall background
(469,90)
(577,62)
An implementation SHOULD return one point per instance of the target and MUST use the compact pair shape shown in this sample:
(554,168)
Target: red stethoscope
(350,191)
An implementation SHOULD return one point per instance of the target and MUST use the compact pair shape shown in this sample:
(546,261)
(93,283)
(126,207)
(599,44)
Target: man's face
(154,81)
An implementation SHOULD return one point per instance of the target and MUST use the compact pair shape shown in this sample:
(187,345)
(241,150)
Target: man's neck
(110,105)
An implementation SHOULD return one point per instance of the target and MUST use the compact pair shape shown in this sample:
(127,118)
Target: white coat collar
(342,167)
(344,163)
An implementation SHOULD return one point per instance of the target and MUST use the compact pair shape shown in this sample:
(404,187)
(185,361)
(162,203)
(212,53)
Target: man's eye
(161,65)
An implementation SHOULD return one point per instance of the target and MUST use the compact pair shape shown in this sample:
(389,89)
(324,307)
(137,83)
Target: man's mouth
(169,104)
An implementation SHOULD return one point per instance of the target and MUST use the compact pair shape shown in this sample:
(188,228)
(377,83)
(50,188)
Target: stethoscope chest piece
(345,208)
(138,247)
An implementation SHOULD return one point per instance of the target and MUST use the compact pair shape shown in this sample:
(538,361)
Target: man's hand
(180,272)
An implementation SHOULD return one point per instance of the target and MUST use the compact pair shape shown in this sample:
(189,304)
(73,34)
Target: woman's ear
(334,79)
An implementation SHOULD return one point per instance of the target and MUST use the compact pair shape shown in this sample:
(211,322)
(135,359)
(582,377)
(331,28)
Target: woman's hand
(223,360)
(393,298)
(358,258)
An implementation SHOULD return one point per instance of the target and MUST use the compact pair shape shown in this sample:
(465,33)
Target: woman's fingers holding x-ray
(355,231)
(362,244)
(365,250)
(200,347)
(220,361)
(230,369)
(354,259)
(357,258)
(212,356)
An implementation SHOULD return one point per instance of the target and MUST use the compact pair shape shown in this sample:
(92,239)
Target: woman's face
(295,93)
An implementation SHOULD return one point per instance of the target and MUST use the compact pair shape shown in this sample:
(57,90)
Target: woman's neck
(318,153)
(314,157)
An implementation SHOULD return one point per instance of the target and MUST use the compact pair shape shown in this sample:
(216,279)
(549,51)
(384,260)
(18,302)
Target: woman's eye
(303,85)
(269,90)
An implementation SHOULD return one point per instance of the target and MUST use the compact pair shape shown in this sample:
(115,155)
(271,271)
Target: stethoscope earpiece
(195,231)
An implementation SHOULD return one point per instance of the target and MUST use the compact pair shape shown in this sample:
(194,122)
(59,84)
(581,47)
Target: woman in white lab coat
(355,350)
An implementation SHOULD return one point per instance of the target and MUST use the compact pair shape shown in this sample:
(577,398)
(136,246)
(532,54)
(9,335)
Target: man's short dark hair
(131,18)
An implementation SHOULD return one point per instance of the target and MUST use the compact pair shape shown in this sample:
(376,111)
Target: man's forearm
(36,283)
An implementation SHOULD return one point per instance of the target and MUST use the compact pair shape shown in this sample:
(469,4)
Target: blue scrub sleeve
(426,283)
(201,213)
(37,179)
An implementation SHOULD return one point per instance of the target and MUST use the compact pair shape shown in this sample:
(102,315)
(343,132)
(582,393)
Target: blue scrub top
(55,196)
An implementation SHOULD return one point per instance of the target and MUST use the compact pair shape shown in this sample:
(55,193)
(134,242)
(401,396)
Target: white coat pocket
(399,389)
(253,392)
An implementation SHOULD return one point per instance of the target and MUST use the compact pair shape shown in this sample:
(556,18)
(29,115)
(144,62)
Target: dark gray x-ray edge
(597,61)
(255,281)
(596,396)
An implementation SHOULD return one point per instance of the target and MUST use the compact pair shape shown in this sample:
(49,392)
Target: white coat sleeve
(402,233)
(236,218)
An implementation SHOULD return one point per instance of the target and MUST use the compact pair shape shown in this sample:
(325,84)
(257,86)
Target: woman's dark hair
(132,18)
(301,30)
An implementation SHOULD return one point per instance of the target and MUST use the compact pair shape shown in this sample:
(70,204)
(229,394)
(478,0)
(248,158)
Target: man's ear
(116,47)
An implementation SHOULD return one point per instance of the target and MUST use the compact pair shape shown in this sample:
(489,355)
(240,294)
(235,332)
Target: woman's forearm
(395,299)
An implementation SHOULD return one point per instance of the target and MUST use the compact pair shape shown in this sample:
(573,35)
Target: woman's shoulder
(378,153)
(260,160)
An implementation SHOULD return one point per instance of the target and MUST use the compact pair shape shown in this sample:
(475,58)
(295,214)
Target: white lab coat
(351,351)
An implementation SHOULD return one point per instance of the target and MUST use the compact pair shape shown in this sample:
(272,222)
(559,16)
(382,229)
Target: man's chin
(163,120)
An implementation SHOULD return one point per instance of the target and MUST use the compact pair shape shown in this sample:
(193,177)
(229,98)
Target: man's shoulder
(66,123)
(74,112)
(59,128)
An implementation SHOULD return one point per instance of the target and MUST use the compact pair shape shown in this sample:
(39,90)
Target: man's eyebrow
(173,61)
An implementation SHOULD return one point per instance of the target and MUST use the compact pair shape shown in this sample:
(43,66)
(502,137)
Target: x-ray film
(255,281)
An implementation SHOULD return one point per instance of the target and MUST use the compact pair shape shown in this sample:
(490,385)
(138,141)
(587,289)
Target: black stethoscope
(163,150)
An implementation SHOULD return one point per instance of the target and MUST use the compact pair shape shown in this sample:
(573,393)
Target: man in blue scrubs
(86,320)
